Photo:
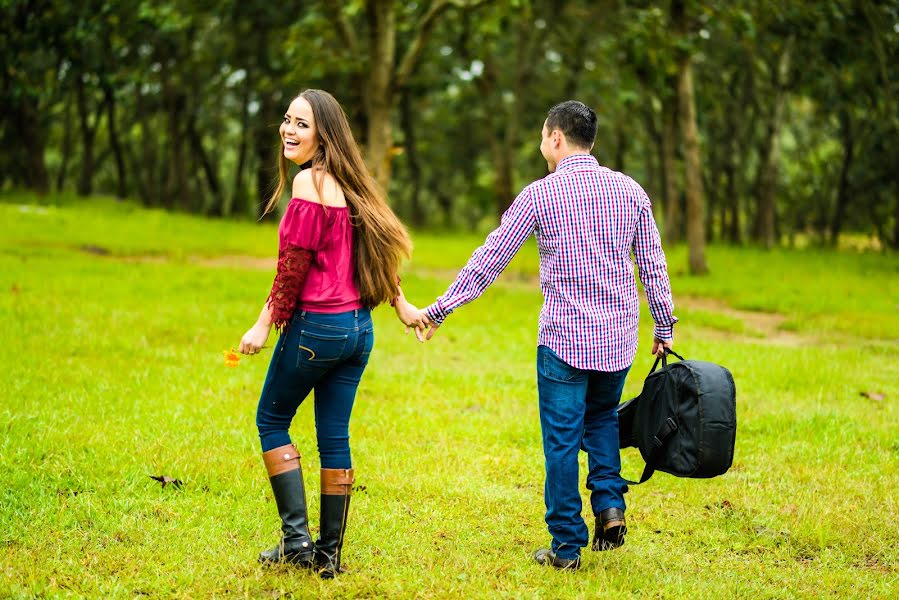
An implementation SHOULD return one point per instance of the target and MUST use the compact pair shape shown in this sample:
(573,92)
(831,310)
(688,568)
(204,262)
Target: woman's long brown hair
(381,241)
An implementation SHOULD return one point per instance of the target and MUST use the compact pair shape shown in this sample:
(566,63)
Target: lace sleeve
(293,264)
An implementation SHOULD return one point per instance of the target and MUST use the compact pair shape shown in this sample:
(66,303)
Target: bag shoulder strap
(658,441)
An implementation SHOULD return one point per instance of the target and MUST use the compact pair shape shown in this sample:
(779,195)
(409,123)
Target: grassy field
(114,319)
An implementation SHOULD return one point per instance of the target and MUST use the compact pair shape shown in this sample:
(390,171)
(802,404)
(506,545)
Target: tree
(690,135)
(767,120)
(31,58)
(384,76)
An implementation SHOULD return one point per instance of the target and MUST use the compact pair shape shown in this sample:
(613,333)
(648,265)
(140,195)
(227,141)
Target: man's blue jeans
(578,406)
(322,352)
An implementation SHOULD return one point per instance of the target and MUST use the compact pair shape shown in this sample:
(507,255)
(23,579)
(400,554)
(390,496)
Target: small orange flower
(232,359)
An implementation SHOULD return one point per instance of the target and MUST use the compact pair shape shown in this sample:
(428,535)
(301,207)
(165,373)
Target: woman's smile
(298,134)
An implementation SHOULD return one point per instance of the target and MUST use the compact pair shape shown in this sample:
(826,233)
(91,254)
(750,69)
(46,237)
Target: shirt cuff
(665,332)
(436,314)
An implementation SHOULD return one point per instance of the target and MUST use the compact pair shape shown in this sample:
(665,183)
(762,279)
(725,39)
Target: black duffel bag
(684,421)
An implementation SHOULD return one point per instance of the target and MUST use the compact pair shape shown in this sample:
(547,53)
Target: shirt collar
(577,160)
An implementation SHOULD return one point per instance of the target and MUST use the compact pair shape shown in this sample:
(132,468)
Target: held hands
(416,319)
(432,330)
(412,317)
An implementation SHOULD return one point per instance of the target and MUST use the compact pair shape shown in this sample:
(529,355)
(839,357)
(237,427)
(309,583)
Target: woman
(340,246)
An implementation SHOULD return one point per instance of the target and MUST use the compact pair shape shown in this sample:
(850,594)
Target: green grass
(846,293)
(113,372)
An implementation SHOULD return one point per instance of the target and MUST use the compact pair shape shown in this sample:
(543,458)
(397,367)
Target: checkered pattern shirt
(591,225)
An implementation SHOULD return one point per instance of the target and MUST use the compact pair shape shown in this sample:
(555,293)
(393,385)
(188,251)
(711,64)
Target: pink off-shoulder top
(326,232)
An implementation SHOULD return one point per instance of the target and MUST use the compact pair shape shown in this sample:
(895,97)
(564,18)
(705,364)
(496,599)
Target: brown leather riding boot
(286,477)
(335,506)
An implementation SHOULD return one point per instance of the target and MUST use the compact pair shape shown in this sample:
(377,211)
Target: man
(587,220)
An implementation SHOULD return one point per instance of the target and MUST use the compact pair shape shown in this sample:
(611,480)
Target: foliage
(176,103)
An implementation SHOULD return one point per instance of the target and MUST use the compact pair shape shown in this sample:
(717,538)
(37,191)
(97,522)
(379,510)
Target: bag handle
(664,359)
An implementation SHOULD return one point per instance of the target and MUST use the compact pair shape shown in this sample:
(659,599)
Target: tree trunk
(502,181)
(848,139)
(66,144)
(622,138)
(722,217)
(266,144)
(86,178)
(895,242)
(525,47)
(896,215)
(770,159)
(575,68)
(669,173)
(121,171)
(385,76)
(710,185)
(143,169)
(693,177)
(380,87)
(445,201)
(407,122)
(212,179)
(31,138)
(686,112)
(177,192)
(487,86)
(886,89)
(653,163)
(238,193)
(732,231)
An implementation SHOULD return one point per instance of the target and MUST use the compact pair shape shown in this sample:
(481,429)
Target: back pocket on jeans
(320,348)
(556,369)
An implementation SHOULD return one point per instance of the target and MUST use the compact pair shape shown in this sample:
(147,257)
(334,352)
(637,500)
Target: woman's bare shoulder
(304,188)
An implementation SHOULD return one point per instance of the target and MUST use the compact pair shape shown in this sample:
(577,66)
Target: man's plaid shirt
(589,221)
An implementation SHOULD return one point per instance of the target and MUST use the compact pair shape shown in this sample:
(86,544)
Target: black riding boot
(286,477)
(336,487)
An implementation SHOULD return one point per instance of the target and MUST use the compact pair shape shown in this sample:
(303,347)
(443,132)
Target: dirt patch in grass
(763,327)
(768,325)
(255,263)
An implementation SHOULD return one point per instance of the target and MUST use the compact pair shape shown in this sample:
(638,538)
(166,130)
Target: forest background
(748,121)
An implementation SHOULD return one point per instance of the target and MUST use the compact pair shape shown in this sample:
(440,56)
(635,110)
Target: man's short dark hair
(576,120)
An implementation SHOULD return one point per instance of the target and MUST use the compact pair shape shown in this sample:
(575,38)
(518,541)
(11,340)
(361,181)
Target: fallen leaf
(166,480)
(789,509)
(15,289)
(875,396)
(232,358)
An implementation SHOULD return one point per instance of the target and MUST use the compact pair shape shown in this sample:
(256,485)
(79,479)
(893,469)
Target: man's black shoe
(546,556)
(610,529)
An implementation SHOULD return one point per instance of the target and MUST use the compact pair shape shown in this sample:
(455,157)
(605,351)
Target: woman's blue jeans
(578,407)
(326,353)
